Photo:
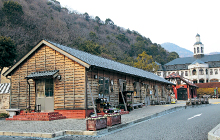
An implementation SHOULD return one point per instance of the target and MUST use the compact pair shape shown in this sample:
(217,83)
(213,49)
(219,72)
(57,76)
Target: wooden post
(124,101)
(93,104)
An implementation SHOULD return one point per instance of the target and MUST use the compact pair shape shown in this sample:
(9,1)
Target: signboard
(173,99)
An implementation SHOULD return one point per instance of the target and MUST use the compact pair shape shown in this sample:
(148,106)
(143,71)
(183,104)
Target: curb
(211,134)
(103,131)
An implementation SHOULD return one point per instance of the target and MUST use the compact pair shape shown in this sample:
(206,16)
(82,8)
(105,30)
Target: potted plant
(96,123)
(112,119)
(3,116)
(28,109)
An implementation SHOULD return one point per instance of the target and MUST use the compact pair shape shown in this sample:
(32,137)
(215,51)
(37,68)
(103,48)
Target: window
(194,81)
(206,71)
(44,87)
(201,80)
(178,82)
(159,73)
(186,73)
(194,50)
(49,87)
(201,72)
(211,72)
(137,89)
(197,49)
(194,72)
(182,73)
(201,49)
(177,72)
(216,71)
(214,80)
(213,63)
(103,86)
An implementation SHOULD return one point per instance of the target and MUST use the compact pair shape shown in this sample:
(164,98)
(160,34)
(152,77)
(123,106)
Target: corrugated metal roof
(4,88)
(41,74)
(109,64)
(189,60)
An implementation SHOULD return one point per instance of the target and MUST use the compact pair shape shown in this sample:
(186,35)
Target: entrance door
(44,94)
(182,94)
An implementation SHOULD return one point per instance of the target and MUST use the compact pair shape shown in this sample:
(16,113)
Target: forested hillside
(29,21)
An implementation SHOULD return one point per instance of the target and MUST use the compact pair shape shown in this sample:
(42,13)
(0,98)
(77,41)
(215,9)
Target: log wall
(69,92)
(145,86)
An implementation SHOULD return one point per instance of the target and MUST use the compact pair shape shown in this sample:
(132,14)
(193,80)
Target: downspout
(86,94)
(29,94)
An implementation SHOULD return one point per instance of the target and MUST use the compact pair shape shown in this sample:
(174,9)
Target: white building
(200,68)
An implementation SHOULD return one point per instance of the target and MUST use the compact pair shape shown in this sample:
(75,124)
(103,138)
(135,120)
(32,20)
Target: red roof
(172,75)
(176,76)
(208,85)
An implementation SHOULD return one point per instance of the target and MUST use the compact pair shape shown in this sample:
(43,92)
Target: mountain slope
(46,19)
(173,47)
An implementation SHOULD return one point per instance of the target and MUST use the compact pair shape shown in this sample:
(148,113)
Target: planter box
(112,120)
(96,124)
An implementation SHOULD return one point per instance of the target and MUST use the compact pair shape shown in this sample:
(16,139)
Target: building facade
(184,88)
(200,68)
(66,80)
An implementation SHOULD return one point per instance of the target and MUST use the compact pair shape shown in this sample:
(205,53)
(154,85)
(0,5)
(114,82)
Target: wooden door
(44,94)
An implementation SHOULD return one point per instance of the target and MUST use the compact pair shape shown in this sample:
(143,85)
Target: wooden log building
(60,78)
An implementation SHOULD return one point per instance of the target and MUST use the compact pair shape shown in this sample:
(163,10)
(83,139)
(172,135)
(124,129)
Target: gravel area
(43,126)
(77,124)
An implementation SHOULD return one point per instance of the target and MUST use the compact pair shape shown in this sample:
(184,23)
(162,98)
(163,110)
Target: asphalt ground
(137,113)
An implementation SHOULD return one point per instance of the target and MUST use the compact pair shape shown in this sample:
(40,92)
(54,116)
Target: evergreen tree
(7,53)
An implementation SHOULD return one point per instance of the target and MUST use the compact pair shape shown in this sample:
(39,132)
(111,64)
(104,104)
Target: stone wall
(4,101)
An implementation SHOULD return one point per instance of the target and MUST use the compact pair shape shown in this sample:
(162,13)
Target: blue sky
(162,21)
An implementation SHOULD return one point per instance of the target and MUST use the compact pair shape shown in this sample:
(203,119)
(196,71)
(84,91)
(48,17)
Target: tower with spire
(198,48)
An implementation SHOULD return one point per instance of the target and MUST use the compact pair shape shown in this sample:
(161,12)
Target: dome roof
(197,35)
(197,43)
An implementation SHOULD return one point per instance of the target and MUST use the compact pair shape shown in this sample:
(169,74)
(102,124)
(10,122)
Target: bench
(13,112)
(138,105)
(162,102)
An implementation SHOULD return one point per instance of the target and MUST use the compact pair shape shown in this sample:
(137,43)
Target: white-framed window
(182,73)
(201,72)
(216,71)
(186,73)
(211,72)
(194,72)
